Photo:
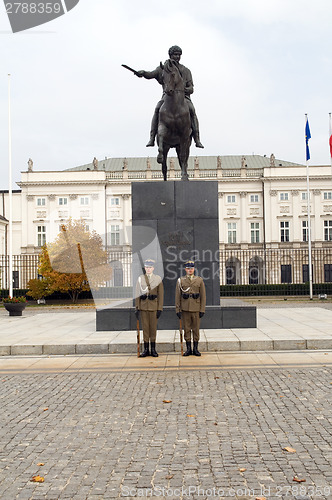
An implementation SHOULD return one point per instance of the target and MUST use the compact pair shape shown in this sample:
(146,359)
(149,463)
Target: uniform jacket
(156,288)
(186,286)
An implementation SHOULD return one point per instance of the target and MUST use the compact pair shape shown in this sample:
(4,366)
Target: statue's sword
(130,69)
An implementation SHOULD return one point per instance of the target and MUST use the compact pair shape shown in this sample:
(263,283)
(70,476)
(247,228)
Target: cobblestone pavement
(204,433)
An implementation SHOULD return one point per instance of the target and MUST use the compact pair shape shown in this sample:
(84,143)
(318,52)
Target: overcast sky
(258,66)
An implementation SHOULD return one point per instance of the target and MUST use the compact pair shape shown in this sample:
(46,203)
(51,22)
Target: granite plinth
(216,317)
(172,222)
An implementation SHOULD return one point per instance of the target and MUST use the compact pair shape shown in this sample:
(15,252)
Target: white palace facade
(263,223)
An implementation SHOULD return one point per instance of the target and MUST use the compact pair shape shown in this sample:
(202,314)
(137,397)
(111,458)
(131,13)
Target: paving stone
(104,431)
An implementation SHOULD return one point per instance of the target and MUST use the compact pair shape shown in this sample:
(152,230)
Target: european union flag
(307,137)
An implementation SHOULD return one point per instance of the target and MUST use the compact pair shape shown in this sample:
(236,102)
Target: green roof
(205,163)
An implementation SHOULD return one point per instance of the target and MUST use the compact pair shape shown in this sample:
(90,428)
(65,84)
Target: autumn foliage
(75,262)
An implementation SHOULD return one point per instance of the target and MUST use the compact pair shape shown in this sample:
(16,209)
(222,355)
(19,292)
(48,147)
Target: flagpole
(10,235)
(330,134)
(308,210)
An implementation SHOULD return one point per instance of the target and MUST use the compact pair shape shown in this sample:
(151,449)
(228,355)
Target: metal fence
(25,267)
(274,266)
(255,266)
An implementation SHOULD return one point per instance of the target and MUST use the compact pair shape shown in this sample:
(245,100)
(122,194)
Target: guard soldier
(149,303)
(190,300)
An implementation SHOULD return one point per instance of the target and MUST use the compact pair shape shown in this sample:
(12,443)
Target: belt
(150,297)
(190,295)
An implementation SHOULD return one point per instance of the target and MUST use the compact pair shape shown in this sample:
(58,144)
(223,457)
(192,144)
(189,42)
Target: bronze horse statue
(174,126)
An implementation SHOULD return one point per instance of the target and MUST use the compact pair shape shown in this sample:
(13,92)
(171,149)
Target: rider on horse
(175,53)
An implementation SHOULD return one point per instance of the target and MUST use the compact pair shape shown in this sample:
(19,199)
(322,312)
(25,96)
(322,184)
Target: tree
(75,261)
(39,288)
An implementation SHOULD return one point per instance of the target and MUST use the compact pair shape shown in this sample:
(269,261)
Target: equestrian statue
(174,121)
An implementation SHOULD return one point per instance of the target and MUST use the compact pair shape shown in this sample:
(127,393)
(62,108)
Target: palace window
(231,198)
(115,202)
(284,230)
(231,232)
(328,195)
(84,200)
(41,202)
(304,196)
(254,198)
(41,235)
(305,230)
(284,196)
(115,234)
(63,201)
(254,232)
(327,230)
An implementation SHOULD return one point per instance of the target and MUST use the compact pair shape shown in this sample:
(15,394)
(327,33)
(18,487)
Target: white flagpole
(309,225)
(330,133)
(10,235)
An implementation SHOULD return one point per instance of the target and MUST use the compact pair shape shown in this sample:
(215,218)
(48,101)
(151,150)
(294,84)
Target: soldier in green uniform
(149,304)
(190,301)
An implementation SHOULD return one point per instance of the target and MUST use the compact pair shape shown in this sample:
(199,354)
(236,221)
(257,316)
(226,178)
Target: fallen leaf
(242,469)
(167,400)
(45,409)
(260,498)
(215,423)
(170,476)
(289,449)
(40,464)
(216,377)
(298,480)
(37,479)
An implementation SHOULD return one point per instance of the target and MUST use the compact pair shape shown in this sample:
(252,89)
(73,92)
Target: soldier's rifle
(181,336)
(138,339)
(144,273)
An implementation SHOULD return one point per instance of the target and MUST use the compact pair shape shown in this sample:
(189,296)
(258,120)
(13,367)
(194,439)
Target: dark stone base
(216,317)
(173,222)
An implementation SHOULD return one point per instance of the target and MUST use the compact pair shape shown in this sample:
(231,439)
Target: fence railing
(254,266)
(25,267)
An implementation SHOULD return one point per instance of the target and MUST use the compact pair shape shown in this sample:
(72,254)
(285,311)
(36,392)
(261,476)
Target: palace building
(263,222)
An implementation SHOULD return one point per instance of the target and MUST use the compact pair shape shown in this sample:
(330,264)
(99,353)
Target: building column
(243,215)
(125,218)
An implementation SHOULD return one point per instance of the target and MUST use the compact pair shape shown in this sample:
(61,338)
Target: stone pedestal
(175,221)
(216,317)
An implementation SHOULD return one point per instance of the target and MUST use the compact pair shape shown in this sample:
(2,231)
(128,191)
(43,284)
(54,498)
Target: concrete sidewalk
(75,333)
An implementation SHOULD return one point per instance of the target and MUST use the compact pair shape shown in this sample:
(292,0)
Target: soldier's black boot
(146,350)
(153,350)
(188,351)
(195,350)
